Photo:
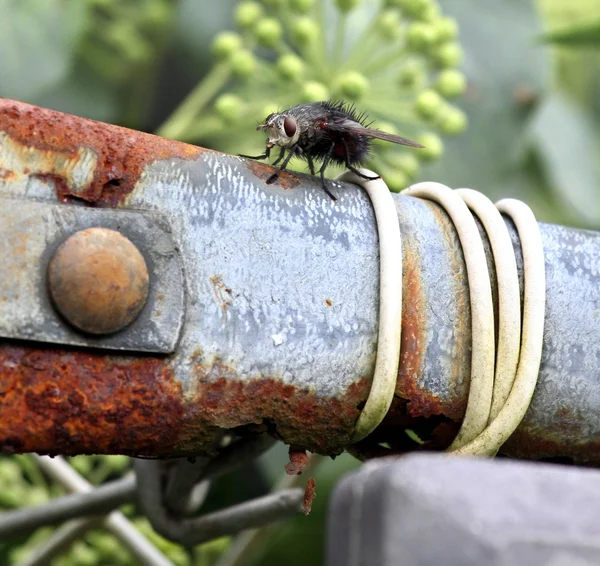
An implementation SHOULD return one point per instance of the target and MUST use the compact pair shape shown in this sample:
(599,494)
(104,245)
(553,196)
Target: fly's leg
(311,164)
(322,174)
(281,168)
(265,155)
(304,152)
(354,169)
(279,157)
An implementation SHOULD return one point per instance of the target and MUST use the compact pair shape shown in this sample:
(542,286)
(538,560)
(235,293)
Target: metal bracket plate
(30,233)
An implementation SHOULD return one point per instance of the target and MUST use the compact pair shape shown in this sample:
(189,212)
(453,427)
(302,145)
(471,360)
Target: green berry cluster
(397,61)
(125,36)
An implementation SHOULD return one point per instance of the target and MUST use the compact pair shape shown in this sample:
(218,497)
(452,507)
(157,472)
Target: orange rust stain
(541,445)
(55,401)
(263,171)
(296,415)
(7,175)
(299,459)
(568,440)
(413,341)
(461,358)
(218,290)
(309,495)
(122,153)
(59,402)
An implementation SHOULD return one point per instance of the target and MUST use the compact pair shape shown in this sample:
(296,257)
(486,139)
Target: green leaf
(566,142)
(84,93)
(578,35)
(507,70)
(37,43)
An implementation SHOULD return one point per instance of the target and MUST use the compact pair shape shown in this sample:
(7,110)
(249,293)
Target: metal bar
(186,490)
(60,541)
(187,484)
(191,531)
(142,549)
(281,311)
(245,549)
(99,501)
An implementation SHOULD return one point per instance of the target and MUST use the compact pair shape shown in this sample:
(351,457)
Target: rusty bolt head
(98,280)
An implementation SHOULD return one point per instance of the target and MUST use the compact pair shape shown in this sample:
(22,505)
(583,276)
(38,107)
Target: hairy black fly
(329,132)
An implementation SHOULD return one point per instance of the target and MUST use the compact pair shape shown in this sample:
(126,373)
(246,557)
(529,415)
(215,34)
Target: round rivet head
(98,280)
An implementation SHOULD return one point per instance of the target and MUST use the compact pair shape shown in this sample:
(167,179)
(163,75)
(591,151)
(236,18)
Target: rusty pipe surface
(279,326)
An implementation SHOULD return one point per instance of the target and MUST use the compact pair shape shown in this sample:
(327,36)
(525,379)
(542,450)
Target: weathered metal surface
(281,315)
(30,234)
(44,151)
(72,402)
(98,280)
(566,401)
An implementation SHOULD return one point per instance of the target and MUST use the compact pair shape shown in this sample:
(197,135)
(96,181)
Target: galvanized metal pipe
(280,312)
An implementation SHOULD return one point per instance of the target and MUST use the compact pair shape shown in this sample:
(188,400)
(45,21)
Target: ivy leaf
(507,73)
(587,34)
(565,141)
(38,39)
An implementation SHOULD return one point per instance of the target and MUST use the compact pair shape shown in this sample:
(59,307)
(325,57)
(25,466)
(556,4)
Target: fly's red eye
(289,126)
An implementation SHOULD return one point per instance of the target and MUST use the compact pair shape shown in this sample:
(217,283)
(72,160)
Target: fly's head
(282,129)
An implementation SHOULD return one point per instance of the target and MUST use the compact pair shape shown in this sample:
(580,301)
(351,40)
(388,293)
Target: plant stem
(176,125)
(363,44)
(398,111)
(208,126)
(385,61)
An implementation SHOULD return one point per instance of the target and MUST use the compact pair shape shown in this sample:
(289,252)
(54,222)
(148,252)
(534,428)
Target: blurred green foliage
(524,75)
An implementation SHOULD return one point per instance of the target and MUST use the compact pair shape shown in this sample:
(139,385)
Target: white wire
(390,303)
(509,297)
(534,305)
(502,384)
(482,309)
(514,383)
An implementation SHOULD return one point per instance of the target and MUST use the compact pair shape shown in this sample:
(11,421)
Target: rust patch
(55,401)
(298,416)
(540,445)
(263,171)
(299,459)
(419,403)
(567,440)
(309,496)
(455,406)
(6,175)
(59,402)
(218,289)
(121,154)
(413,406)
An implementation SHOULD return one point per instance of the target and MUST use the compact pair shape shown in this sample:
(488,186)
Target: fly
(327,132)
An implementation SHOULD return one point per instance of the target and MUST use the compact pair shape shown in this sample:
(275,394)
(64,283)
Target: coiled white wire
(390,303)
(502,384)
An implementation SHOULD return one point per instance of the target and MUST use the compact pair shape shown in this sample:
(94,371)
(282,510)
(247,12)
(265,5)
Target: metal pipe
(279,330)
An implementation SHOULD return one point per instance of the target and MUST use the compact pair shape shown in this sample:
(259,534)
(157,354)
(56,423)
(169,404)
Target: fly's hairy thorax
(326,132)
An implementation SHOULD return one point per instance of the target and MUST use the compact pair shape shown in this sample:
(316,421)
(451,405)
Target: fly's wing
(356,128)
(384,136)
